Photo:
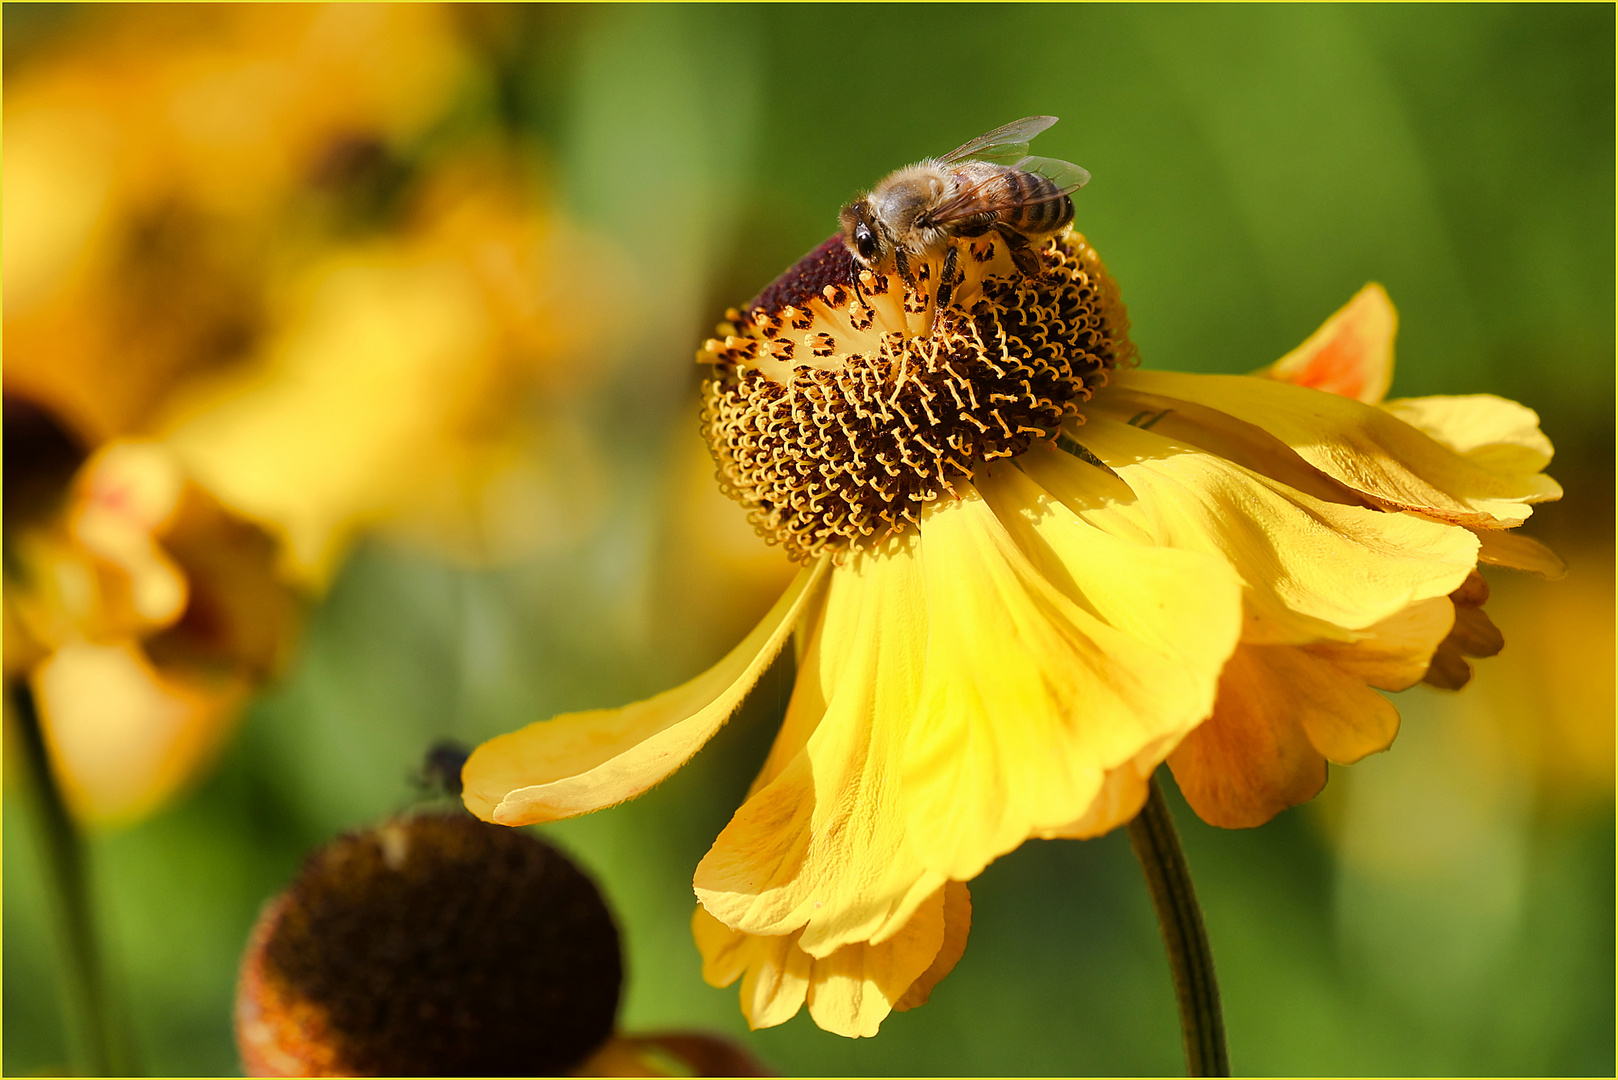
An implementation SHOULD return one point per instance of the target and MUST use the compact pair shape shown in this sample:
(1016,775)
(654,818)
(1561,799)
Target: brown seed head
(436,945)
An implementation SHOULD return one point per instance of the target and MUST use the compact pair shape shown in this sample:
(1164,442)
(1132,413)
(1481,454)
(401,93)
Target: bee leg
(1024,256)
(902,261)
(946,281)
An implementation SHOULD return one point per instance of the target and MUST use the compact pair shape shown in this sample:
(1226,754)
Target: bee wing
(1067,176)
(1004,144)
(997,192)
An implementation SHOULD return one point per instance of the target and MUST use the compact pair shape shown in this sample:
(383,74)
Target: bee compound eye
(865,240)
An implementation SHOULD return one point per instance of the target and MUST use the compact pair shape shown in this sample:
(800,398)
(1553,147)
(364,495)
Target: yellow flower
(142,614)
(1031,574)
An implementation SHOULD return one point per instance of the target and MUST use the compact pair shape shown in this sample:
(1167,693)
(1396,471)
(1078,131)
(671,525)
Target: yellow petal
(1519,552)
(1056,652)
(852,990)
(1282,713)
(957,927)
(1500,435)
(820,844)
(1251,759)
(1217,433)
(1351,354)
(1311,569)
(584,761)
(282,441)
(124,735)
(1393,654)
(1123,793)
(774,971)
(1365,448)
(127,496)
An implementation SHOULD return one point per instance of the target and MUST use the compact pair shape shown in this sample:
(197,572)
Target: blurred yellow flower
(161,161)
(242,277)
(408,380)
(142,614)
(1030,575)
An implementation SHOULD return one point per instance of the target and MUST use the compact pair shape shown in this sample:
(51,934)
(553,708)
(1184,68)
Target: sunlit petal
(851,990)
(1310,568)
(585,761)
(822,844)
(1056,652)
(1369,450)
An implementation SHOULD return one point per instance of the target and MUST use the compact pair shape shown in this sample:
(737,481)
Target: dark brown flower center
(836,414)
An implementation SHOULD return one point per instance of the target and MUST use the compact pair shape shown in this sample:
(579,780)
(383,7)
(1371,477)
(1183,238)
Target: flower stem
(1157,846)
(102,1047)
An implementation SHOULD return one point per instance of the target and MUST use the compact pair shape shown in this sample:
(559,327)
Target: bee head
(861,234)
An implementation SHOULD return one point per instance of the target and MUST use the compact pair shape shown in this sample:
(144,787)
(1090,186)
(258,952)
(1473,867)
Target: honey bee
(989,183)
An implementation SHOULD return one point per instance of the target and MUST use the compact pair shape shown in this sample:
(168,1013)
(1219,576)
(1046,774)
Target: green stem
(102,1048)
(1157,846)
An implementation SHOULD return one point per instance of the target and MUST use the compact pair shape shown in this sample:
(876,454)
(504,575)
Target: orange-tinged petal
(1363,447)
(1055,652)
(1352,352)
(1251,759)
(1311,568)
(1282,713)
(821,845)
(584,761)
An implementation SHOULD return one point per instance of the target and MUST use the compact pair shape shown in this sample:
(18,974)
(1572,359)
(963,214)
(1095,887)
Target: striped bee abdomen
(1035,206)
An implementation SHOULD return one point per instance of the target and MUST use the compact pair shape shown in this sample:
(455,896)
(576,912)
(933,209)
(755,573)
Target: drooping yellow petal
(1251,759)
(1351,354)
(957,927)
(820,846)
(584,761)
(852,990)
(1311,569)
(774,971)
(1281,714)
(1363,447)
(1055,652)
(1518,552)
(1123,793)
(1393,654)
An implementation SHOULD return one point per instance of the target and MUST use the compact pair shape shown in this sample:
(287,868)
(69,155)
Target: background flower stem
(101,1044)
(1196,989)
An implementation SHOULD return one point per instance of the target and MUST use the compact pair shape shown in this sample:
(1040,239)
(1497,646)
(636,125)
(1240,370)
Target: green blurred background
(1446,908)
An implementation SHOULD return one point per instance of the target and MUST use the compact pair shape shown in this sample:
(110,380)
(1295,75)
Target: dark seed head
(433,945)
